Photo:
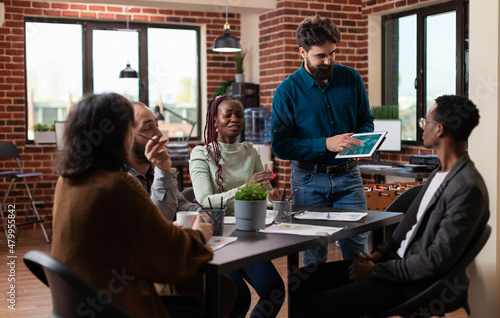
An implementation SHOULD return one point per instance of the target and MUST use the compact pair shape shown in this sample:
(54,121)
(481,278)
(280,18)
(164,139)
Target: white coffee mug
(186,218)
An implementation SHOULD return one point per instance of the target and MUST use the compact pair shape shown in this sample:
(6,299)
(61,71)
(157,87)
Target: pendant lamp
(128,72)
(226,42)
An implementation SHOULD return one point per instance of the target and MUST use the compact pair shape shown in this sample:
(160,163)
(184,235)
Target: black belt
(326,169)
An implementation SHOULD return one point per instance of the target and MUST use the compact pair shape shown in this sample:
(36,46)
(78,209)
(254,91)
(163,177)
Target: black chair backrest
(70,292)
(428,300)
(8,150)
(405,199)
(188,194)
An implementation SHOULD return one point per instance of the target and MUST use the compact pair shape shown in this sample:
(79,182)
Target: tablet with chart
(371,141)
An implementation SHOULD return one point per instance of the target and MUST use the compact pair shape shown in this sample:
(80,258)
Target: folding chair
(9,150)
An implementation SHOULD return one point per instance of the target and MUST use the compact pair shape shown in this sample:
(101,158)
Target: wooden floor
(32,298)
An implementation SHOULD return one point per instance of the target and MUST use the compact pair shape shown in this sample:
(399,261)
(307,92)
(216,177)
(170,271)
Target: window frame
(461,9)
(87,64)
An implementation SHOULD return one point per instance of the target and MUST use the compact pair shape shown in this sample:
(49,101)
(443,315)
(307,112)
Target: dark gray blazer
(457,212)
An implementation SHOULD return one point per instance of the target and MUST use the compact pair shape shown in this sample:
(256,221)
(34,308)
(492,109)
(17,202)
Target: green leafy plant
(251,191)
(385,112)
(238,58)
(42,127)
(224,87)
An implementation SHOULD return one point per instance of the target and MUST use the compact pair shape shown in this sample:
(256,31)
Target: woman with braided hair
(217,169)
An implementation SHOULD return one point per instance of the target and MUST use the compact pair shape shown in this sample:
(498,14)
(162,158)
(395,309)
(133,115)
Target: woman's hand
(263,177)
(205,228)
(274,195)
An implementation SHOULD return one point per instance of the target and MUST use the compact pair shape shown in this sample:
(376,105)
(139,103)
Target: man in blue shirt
(315,112)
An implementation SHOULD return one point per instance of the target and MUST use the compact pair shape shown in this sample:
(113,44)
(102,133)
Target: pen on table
(221,203)
(210,203)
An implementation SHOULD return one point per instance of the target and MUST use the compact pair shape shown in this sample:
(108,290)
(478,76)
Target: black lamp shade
(227,43)
(158,114)
(128,72)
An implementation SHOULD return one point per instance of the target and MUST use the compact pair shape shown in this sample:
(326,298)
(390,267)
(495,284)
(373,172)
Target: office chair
(438,298)
(70,292)
(188,193)
(401,204)
(9,150)
(405,199)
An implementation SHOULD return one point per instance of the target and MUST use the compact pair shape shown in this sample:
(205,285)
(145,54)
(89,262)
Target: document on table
(217,242)
(300,229)
(331,216)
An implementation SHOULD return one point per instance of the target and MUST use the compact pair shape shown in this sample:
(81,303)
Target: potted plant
(45,134)
(238,58)
(250,204)
(224,88)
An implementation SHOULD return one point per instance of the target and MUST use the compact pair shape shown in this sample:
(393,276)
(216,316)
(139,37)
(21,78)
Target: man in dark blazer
(448,213)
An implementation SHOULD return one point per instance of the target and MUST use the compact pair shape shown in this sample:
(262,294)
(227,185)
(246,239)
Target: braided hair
(211,135)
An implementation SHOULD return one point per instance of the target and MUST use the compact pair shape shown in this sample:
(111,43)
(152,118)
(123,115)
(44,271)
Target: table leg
(213,301)
(292,264)
(377,237)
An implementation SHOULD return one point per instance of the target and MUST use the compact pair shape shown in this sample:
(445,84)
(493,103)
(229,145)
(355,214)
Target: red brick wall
(279,54)
(278,58)
(221,67)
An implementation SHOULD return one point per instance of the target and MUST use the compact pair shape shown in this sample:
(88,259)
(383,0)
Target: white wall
(375,59)
(250,45)
(484,145)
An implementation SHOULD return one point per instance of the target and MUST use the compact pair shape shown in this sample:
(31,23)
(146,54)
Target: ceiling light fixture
(128,72)
(226,42)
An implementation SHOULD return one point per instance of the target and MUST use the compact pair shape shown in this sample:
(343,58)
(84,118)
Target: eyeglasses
(422,122)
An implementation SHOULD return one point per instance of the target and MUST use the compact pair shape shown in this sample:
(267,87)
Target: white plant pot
(250,215)
(45,137)
(239,78)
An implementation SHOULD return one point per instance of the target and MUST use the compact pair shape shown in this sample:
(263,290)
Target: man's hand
(374,257)
(361,269)
(158,155)
(205,228)
(339,143)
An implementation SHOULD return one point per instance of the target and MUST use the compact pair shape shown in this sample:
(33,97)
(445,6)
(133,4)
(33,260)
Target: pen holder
(282,211)
(216,218)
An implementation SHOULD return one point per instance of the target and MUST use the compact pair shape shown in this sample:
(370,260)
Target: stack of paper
(332,216)
(301,229)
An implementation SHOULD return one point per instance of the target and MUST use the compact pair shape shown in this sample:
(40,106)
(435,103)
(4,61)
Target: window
(424,57)
(66,59)
(54,71)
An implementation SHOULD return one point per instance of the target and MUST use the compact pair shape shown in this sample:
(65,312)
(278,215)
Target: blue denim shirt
(304,114)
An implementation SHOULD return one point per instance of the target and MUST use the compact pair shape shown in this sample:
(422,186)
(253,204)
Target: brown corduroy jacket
(107,229)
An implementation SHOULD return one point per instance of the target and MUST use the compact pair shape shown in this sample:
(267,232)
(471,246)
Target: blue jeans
(267,282)
(341,191)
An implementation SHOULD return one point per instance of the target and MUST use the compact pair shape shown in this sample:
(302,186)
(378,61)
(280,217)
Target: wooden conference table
(254,247)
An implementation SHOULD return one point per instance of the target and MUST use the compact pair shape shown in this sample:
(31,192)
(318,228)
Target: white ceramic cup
(186,218)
